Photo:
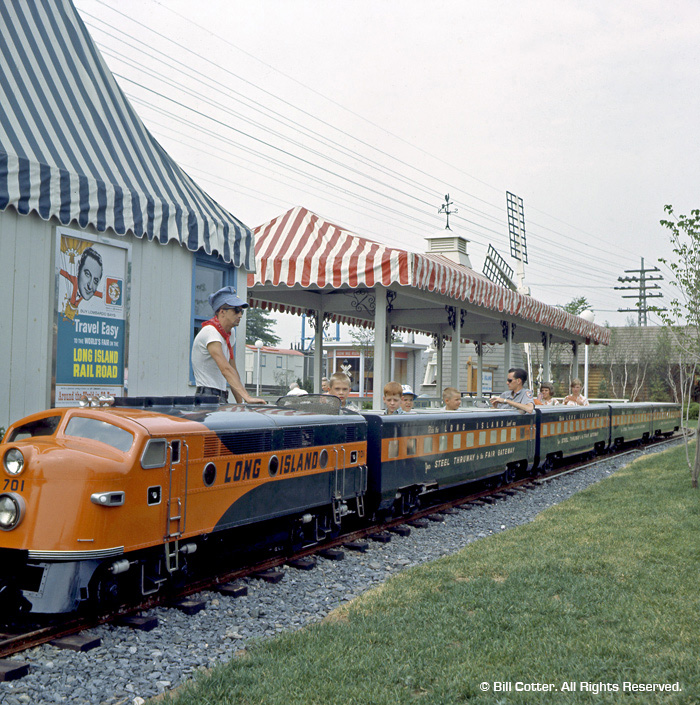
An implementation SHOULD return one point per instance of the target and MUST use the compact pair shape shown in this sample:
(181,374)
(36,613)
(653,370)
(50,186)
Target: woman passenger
(546,395)
(575,398)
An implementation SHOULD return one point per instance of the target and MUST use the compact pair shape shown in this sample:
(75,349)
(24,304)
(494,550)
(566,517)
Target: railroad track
(14,640)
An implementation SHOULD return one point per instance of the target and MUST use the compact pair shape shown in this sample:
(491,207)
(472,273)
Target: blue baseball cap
(226,297)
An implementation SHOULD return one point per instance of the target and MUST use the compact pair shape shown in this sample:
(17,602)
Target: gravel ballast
(132,665)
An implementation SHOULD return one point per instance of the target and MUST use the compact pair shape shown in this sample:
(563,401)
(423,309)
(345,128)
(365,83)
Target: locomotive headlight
(14,461)
(11,511)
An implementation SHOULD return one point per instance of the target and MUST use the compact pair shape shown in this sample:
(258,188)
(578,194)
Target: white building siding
(159,316)
(26,292)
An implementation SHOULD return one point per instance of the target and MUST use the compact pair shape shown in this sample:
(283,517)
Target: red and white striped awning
(300,248)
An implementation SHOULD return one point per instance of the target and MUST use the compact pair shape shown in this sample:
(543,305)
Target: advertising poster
(91,317)
(487,382)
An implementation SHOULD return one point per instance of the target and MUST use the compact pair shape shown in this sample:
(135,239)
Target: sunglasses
(510,379)
(235,309)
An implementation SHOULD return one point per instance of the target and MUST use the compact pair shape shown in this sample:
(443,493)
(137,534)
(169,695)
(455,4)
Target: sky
(368,113)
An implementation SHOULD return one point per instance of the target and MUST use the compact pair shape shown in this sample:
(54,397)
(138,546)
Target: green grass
(602,588)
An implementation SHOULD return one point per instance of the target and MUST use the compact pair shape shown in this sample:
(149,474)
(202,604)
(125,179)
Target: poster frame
(103,240)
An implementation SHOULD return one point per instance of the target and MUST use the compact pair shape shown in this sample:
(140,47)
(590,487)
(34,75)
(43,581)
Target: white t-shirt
(206,371)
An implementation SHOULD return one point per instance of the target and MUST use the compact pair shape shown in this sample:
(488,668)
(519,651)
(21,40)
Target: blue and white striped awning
(73,148)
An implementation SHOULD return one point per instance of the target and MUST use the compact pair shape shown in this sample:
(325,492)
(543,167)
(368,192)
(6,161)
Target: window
(43,427)
(504,435)
(457,441)
(209,275)
(493,437)
(263,360)
(279,361)
(410,446)
(393,450)
(442,443)
(513,433)
(482,438)
(101,431)
(470,440)
(428,444)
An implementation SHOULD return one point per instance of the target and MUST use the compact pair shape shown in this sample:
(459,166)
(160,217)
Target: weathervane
(445,208)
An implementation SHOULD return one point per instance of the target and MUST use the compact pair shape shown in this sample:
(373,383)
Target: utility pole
(642,290)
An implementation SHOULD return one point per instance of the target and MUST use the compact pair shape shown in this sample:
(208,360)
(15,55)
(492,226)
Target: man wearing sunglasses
(212,351)
(517,396)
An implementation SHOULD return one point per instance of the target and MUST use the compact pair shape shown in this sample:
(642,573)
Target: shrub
(691,410)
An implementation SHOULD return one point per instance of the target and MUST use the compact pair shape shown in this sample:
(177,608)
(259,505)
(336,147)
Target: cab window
(102,431)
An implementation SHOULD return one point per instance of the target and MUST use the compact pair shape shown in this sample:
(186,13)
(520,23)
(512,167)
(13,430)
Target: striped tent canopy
(73,148)
(302,249)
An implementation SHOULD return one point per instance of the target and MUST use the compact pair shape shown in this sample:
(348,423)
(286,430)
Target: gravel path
(132,665)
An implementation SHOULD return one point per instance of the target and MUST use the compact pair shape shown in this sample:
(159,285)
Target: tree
(683,315)
(577,305)
(259,325)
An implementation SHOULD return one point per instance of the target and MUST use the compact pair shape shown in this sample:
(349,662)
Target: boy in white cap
(407,398)
(212,351)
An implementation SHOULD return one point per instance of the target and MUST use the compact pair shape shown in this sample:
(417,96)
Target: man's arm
(230,373)
(528,408)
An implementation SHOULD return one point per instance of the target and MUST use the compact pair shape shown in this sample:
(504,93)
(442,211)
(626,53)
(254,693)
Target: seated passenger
(575,398)
(517,396)
(392,398)
(452,398)
(340,387)
(295,390)
(546,395)
(407,398)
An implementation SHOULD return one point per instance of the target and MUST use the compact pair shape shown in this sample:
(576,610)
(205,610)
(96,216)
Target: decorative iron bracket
(504,330)
(362,299)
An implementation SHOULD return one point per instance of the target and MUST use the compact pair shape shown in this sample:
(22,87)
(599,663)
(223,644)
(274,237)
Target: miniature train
(97,503)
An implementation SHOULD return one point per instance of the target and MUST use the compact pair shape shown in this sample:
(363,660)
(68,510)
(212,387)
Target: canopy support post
(318,349)
(480,367)
(440,343)
(380,320)
(508,338)
(574,363)
(456,347)
(547,361)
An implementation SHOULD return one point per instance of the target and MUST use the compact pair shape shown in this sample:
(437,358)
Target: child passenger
(452,399)
(392,398)
(407,398)
(340,387)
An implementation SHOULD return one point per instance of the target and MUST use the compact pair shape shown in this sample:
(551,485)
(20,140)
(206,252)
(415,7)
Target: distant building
(279,367)
(407,365)
(639,364)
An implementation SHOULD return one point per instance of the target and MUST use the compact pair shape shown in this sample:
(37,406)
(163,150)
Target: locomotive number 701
(14,485)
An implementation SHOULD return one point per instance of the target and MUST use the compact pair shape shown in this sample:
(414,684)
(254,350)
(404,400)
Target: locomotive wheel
(509,475)
(105,592)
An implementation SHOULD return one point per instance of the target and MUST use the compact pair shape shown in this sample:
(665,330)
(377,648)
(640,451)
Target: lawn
(598,592)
